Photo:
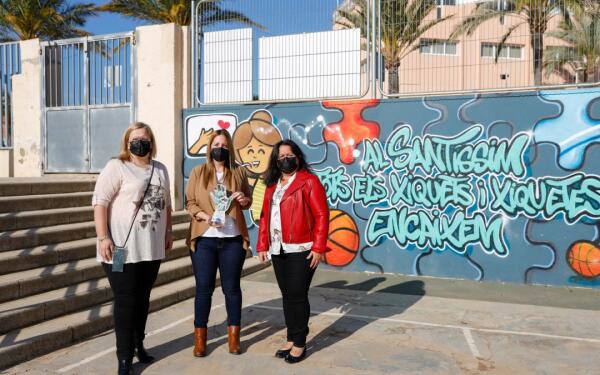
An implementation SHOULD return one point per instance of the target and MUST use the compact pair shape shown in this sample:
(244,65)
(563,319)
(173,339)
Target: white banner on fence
(312,65)
(227,66)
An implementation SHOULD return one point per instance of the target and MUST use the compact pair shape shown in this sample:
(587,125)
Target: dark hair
(273,172)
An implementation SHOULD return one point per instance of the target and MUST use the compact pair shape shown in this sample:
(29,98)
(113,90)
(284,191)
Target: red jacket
(304,214)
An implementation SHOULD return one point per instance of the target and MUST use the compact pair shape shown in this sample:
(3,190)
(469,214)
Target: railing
(10,64)
(288,50)
(94,71)
(490,45)
(268,50)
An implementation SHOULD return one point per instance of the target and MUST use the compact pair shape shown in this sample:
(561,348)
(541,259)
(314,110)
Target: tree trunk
(393,87)
(537,44)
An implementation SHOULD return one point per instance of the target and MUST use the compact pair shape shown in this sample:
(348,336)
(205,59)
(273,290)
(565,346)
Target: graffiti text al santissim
(451,192)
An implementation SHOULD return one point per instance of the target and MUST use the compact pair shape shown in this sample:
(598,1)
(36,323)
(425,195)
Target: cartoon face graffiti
(253,141)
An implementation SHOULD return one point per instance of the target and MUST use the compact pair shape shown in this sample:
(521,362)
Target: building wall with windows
(468,63)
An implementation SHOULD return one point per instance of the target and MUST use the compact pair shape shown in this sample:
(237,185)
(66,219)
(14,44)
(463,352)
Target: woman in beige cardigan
(218,244)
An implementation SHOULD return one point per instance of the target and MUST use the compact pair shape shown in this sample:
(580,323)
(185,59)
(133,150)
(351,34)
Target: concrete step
(46,185)
(44,306)
(22,344)
(42,218)
(11,221)
(25,283)
(44,201)
(28,238)
(53,254)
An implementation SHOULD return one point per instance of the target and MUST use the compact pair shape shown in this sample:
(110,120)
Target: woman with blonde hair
(216,194)
(132,213)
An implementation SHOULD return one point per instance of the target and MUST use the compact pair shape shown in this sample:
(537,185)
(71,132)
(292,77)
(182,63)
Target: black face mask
(219,154)
(140,147)
(287,164)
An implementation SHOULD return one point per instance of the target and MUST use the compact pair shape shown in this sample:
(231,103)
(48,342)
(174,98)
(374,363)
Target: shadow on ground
(258,327)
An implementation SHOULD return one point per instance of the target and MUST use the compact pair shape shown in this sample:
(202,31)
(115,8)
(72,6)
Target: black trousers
(294,276)
(131,289)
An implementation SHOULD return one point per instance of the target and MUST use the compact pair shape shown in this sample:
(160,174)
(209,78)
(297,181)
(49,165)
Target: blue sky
(309,16)
(107,23)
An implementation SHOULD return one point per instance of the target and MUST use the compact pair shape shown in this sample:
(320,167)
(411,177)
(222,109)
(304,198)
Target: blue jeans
(227,255)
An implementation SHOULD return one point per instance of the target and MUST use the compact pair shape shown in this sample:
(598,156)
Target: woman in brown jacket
(217,240)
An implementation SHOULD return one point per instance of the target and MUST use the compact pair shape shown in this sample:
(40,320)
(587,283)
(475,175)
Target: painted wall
(493,188)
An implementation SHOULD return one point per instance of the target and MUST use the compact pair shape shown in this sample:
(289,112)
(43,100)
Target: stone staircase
(52,291)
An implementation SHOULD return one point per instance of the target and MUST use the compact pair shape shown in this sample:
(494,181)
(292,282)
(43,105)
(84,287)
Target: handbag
(118,257)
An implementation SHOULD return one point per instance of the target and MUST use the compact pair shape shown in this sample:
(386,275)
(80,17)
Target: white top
(230,228)
(120,187)
(275,224)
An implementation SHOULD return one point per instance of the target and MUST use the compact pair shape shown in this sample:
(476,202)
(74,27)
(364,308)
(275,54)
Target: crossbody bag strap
(138,207)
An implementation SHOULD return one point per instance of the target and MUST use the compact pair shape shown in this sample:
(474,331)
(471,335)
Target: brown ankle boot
(199,342)
(233,337)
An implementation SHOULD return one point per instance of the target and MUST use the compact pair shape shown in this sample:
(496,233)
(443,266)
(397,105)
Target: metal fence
(10,64)
(277,50)
(485,45)
(280,50)
(88,100)
(88,71)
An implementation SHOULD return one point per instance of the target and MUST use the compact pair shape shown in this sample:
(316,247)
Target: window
(440,4)
(437,47)
(501,4)
(507,52)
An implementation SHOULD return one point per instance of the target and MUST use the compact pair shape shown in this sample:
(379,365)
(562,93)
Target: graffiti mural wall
(491,188)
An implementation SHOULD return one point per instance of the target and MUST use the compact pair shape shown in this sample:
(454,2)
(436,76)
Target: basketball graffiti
(462,187)
(584,259)
(343,239)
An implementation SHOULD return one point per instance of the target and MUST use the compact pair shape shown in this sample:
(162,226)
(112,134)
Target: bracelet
(103,238)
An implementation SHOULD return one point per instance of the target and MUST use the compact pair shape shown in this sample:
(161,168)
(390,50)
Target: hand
(201,216)
(240,198)
(262,257)
(168,241)
(219,226)
(201,142)
(106,249)
(316,259)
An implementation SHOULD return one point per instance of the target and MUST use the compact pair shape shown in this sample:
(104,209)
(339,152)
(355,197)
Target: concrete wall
(6,163)
(26,105)
(163,72)
(398,205)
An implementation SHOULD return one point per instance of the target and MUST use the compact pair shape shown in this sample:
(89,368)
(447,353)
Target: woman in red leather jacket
(294,225)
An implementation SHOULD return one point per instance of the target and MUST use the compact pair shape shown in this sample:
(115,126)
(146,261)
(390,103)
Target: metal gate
(10,64)
(88,98)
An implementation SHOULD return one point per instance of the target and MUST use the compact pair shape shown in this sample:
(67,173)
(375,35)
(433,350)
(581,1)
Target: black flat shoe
(142,355)
(292,359)
(140,352)
(281,353)
(125,367)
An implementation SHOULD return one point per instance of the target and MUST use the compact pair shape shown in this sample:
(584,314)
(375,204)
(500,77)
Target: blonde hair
(124,154)
(210,167)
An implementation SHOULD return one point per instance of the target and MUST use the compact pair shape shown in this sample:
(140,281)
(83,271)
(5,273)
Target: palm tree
(582,53)
(176,11)
(536,14)
(402,25)
(44,19)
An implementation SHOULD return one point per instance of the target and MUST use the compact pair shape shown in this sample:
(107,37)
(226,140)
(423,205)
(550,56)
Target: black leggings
(131,289)
(294,276)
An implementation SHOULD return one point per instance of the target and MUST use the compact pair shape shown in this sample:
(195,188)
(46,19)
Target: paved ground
(372,324)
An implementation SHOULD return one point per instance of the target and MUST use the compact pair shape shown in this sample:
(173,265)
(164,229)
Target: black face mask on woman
(287,164)
(219,154)
(140,147)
